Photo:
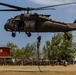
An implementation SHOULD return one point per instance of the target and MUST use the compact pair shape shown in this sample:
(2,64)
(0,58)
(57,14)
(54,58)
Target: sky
(65,14)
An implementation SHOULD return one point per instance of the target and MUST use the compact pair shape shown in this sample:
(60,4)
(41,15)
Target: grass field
(35,70)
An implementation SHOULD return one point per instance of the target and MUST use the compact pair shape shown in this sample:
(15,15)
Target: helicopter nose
(6,27)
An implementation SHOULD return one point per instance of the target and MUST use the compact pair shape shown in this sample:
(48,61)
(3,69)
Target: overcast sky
(63,14)
(50,2)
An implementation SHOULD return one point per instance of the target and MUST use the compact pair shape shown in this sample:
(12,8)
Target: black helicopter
(35,22)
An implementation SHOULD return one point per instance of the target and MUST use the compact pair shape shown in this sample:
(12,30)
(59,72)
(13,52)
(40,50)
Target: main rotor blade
(21,8)
(9,10)
(45,9)
(29,9)
(54,6)
(12,6)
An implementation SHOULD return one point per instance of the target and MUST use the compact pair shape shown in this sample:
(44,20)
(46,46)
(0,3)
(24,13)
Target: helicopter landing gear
(13,34)
(28,34)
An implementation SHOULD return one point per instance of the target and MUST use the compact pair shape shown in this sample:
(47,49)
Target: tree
(46,50)
(60,48)
(52,48)
(67,48)
(14,49)
(29,50)
(26,52)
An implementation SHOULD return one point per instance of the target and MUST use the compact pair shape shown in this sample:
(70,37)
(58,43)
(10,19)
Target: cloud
(51,2)
(70,9)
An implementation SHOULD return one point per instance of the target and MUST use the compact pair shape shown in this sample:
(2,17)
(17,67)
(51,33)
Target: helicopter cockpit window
(29,23)
(9,21)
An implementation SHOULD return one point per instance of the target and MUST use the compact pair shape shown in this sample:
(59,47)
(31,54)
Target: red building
(5,52)
(5,55)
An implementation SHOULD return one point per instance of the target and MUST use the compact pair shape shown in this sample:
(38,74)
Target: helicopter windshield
(9,21)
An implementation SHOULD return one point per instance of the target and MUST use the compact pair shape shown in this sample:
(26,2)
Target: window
(1,50)
(29,23)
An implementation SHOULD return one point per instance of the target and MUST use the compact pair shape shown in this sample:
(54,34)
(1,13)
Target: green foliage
(60,48)
(46,49)
(14,49)
(29,50)
(24,53)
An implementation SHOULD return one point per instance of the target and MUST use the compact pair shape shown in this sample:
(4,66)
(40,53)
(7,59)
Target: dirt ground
(37,73)
(35,70)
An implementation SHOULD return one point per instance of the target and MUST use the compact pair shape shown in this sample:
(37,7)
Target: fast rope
(38,46)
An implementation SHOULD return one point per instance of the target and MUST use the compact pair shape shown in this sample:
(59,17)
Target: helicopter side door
(29,25)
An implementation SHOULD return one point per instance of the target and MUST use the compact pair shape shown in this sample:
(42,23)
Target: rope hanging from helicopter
(38,47)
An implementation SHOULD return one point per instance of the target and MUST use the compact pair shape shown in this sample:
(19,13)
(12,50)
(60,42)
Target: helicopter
(29,23)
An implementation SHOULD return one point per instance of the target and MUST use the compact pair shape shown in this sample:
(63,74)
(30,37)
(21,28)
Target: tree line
(58,49)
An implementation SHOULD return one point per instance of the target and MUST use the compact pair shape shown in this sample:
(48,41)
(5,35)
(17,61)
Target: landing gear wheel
(28,34)
(13,34)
